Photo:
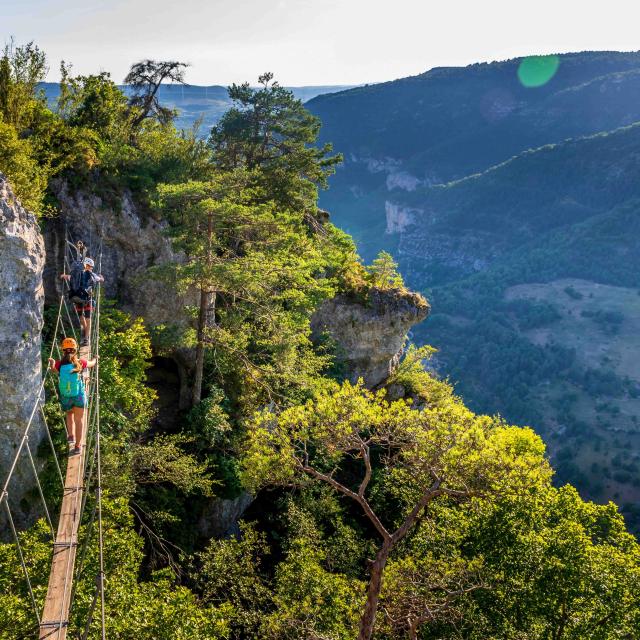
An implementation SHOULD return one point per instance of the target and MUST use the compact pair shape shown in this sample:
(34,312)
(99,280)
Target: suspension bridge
(79,485)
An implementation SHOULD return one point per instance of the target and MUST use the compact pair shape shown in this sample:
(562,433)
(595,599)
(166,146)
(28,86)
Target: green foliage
(157,608)
(383,272)
(257,327)
(125,350)
(270,130)
(446,440)
(412,377)
(18,162)
(569,569)
(229,573)
(441,451)
(94,102)
(310,601)
(163,460)
(94,132)
(209,421)
(21,69)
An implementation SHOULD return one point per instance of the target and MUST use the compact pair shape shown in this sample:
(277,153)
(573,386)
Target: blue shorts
(77,401)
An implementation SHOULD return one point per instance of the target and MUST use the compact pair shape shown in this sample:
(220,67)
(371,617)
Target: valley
(494,197)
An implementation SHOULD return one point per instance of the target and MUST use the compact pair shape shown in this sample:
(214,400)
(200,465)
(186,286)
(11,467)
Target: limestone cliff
(21,302)
(129,243)
(370,334)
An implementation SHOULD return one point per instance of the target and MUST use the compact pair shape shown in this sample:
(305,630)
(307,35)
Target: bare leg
(78,416)
(69,420)
(84,324)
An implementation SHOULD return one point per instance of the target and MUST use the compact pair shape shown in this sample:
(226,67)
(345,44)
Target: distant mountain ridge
(517,211)
(452,122)
(207,103)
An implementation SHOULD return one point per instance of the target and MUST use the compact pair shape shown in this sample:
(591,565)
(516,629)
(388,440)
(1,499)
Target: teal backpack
(70,384)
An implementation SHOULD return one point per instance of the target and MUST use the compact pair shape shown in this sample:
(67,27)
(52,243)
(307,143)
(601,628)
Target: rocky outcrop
(21,301)
(370,334)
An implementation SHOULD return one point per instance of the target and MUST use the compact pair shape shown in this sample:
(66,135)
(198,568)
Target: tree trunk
(367,621)
(412,631)
(206,317)
(196,396)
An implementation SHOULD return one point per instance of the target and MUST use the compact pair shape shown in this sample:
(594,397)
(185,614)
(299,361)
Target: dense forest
(393,512)
(497,193)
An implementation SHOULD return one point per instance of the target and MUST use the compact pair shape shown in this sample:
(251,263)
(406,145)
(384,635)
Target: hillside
(548,354)
(495,198)
(254,454)
(453,122)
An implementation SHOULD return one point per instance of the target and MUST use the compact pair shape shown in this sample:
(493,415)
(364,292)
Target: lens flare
(536,71)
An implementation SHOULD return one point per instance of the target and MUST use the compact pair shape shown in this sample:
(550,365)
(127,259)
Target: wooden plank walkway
(55,616)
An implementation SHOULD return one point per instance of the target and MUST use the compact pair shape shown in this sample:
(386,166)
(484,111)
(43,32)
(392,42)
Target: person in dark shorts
(73,399)
(81,293)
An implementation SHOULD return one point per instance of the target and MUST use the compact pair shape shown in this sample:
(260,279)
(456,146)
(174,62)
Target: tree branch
(431,493)
(367,463)
(366,507)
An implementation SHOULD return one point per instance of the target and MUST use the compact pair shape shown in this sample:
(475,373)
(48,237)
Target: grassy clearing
(602,324)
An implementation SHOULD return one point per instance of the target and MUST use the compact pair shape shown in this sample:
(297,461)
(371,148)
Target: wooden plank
(55,616)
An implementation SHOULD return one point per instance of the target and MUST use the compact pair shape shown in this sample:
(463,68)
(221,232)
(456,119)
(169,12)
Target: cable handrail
(33,412)
(83,474)
(68,575)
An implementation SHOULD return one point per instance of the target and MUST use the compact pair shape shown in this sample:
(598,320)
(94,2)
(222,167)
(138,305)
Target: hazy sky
(312,41)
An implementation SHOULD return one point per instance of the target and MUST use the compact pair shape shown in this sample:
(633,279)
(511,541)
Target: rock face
(21,304)
(220,517)
(370,335)
(129,243)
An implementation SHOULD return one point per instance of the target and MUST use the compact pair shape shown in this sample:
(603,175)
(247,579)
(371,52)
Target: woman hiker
(73,399)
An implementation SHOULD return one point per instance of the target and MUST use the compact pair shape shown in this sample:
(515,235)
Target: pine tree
(269,129)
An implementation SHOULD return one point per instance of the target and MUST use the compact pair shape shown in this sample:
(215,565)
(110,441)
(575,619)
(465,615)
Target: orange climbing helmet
(69,343)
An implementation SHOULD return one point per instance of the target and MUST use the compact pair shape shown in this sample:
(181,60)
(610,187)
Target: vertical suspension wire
(69,244)
(92,609)
(99,467)
(53,447)
(95,462)
(21,556)
(73,329)
(40,491)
